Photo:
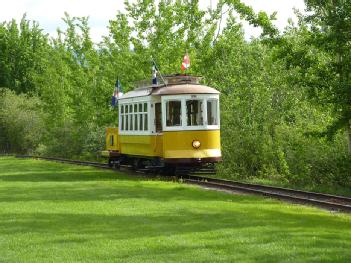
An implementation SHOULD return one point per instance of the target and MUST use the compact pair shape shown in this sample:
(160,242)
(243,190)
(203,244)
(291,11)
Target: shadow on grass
(118,190)
(271,227)
(148,225)
(67,175)
(50,181)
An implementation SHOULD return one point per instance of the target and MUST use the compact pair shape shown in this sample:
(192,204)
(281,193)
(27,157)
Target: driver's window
(194,112)
(173,113)
(158,117)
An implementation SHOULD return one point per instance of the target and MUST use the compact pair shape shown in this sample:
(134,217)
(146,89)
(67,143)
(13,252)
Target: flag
(117,93)
(154,73)
(186,62)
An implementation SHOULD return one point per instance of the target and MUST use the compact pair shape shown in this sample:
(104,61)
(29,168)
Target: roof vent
(181,79)
(169,80)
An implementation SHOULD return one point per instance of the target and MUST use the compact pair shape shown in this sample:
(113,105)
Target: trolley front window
(212,114)
(194,112)
(173,113)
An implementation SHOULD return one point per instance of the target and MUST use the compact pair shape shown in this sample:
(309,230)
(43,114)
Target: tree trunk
(348,134)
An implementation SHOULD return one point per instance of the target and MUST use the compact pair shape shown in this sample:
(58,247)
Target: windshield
(212,112)
(194,112)
(173,113)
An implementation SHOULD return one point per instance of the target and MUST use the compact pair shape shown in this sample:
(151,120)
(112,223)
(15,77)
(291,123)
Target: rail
(330,202)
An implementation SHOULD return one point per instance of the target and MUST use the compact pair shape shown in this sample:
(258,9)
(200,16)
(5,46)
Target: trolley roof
(173,84)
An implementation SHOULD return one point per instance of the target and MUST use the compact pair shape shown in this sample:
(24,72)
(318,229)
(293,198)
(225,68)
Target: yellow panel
(158,148)
(112,132)
(175,144)
(142,145)
(178,144)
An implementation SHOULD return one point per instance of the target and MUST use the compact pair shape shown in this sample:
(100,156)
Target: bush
(21,122)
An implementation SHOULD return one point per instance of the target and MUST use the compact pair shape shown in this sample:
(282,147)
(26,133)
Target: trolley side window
(158,117)
(122,117)
(194,112)
(127,118)
(145,117)
(212,106)
(111,140)
(131,117)
(135,116)
(141,117)
(173,113)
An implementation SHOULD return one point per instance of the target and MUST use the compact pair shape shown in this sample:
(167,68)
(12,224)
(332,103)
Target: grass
(51,212)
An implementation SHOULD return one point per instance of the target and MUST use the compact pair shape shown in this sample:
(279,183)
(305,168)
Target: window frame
(183,98)
(134,117)
(181,113)
(217,112)
(203,113)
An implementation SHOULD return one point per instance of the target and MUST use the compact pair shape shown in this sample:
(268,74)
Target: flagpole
(159,71)
(186,63)
(186,53)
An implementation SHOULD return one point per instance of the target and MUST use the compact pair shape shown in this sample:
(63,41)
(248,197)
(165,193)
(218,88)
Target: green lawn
(51,212)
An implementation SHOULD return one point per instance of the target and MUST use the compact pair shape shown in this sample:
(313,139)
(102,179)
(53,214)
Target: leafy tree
(22,47)
(320,49)
(67,82)
(21,122)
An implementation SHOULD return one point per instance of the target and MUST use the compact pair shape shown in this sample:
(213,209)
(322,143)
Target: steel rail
(330,202)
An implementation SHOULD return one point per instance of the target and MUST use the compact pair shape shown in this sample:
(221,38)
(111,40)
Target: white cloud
(49,13)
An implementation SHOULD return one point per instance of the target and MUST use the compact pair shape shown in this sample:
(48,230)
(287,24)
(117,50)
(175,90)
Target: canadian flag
(186,62)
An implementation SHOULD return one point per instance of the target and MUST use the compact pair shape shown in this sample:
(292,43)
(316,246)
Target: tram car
(168,127)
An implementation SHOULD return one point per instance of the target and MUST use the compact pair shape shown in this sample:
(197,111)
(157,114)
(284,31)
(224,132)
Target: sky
(49,12)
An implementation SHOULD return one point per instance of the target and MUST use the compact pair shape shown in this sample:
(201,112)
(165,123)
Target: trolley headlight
(196,144)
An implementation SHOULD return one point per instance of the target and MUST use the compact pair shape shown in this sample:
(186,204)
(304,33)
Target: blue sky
(49,12)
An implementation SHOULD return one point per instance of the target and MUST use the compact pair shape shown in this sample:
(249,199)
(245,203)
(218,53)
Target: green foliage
(320,49)
(21,122)
(261,19)
(22,47)
(277,91)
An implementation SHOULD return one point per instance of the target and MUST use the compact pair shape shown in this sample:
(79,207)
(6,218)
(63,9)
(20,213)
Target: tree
(320,51)
(21,122)
(21,49)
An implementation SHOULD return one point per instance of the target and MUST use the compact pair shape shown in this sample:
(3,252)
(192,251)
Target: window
(158,117)
(134,117)
(127,118)
(194,112)
(130,117)
(173,113)
(111,140)
(212,112)
(145,117)
(122,117)
(141,117)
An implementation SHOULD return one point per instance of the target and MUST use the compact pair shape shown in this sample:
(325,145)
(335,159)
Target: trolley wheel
(114,163)
(110,163)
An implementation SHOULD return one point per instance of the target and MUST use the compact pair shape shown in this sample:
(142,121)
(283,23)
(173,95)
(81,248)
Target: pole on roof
(159,71)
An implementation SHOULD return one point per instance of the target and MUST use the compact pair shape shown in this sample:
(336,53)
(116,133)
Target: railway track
(326,201)
(62,160)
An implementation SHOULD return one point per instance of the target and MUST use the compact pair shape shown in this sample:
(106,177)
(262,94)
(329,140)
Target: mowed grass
(51,212)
